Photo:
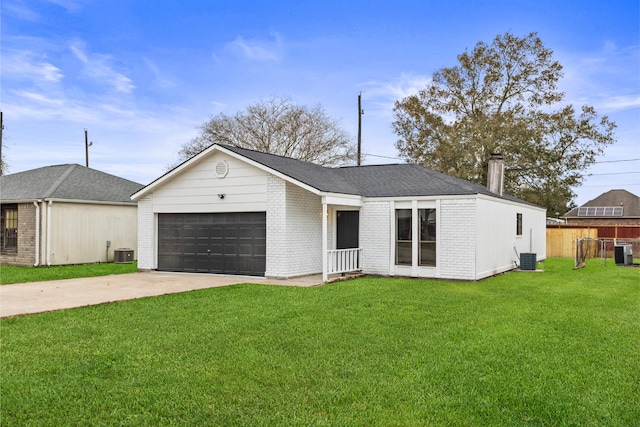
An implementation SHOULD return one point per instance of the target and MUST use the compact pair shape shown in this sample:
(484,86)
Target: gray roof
(628,200)
(394,180)
(70,181)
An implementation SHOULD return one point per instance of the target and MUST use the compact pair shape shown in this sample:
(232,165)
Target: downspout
(37,257)
(48,255)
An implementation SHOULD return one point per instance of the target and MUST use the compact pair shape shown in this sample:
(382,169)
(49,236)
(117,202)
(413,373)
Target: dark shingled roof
(629,201)
(70,181)
(395,180)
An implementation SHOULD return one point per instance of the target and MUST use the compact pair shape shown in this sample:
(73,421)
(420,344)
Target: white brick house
(236,211)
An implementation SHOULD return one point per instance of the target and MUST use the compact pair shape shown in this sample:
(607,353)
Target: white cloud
(160,80)
(380,96)
(622,102)
(218,106)
(99,68)
(69,5)
(403,86)
(25,65)
(31,105)
(608,78)
(257,50)
(38,98)
(17,9)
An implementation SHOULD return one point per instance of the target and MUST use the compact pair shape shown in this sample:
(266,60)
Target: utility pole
(87,144)
(360,113)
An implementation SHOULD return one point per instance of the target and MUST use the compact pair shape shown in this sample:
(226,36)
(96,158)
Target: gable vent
(222,169)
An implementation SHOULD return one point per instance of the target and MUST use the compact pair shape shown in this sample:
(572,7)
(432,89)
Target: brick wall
(146,230)
(25,253)
(456,241)
(375,235)
(304,231)
(276,227)
(294,230)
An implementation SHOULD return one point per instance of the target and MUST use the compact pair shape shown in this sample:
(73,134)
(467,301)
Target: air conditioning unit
(528,261)
(623,254)
(123,256)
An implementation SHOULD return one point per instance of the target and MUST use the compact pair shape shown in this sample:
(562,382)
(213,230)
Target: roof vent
(222,169)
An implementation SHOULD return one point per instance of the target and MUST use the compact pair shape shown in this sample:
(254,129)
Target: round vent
(222,169)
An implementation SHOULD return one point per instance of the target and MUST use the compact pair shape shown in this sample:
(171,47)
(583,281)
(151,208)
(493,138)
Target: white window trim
(414,270)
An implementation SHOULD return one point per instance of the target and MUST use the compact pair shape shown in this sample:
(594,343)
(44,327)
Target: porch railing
(343,260)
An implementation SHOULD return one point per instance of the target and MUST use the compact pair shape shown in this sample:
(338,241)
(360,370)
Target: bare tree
(4,167)
(278,126)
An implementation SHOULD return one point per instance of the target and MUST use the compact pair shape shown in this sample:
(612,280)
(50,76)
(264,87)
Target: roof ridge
(56,184)
(372,165)
(253,150)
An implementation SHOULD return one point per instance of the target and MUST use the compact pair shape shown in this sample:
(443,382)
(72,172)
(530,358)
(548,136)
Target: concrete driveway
(39,297)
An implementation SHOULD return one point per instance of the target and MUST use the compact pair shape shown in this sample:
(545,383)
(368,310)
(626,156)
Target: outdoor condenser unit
(527,261)
(123,256)
(623,254)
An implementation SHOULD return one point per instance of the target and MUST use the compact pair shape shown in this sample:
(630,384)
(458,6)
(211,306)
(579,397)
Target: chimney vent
(495,174)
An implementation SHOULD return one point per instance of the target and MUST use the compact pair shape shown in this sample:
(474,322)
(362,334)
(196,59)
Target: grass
(11,274)
(522,349)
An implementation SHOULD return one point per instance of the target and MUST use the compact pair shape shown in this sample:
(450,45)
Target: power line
(626,184)
(383,157)
(612,173)
(602,161)
(617,161)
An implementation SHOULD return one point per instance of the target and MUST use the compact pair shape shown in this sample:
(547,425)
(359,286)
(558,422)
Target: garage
(222,243)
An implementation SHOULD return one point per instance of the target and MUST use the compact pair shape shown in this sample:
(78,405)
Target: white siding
(146,234)
(375,234)
(457,239)
(79,232)
(476,236)
(497,239)
(196,190)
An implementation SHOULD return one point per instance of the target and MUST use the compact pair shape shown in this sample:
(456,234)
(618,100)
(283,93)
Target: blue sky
(141,75)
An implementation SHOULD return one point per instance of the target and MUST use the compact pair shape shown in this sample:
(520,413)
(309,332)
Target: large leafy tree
(278,126)
(503,98)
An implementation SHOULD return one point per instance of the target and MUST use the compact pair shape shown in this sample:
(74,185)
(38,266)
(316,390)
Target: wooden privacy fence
(561,242)
(561,239)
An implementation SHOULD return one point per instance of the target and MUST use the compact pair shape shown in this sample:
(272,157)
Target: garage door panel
(217,249)
(245,250)
(229,243)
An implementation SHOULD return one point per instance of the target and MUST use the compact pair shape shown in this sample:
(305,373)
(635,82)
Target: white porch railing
(343,260)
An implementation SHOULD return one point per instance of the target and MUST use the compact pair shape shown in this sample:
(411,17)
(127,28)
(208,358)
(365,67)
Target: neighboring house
(237,211)
(615,207)
(65,214)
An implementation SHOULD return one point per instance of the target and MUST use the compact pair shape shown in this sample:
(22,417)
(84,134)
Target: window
(9,220)
(519,224)
(425,235)
(427,246)
(403,237)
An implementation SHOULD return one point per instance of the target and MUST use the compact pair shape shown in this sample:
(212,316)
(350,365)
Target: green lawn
(522,349)
(11,274)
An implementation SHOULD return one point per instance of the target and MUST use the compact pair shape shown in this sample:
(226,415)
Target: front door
(347,229)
